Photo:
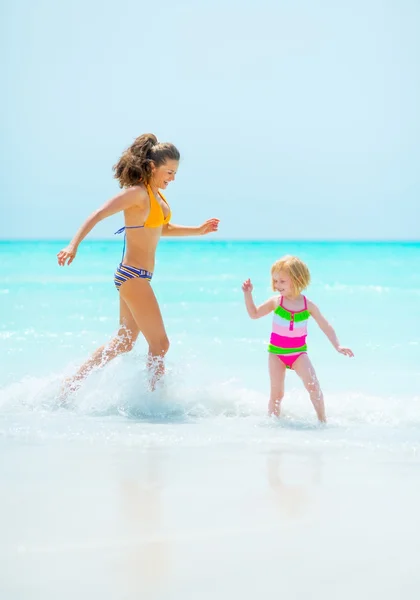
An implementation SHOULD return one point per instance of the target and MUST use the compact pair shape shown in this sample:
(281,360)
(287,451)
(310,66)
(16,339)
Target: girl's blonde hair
(297,271)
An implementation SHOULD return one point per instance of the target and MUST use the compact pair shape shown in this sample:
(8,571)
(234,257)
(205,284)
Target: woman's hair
(297,271)
(135,165)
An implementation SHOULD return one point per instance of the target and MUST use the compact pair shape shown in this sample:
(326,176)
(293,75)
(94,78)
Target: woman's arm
(327,328)
(173,230)
(130,197)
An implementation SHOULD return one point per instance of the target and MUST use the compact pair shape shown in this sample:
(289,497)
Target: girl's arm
(328,329)
(127,198)
(254,311)
(184,230)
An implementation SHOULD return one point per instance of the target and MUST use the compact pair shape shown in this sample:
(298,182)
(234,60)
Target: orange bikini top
(156,218)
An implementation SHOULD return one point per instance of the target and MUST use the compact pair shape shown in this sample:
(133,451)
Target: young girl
(287,348)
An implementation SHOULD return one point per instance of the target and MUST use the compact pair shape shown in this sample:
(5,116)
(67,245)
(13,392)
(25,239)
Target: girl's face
(283,283)
(163,175)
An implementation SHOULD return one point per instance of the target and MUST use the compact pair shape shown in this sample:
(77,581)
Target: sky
(294,120)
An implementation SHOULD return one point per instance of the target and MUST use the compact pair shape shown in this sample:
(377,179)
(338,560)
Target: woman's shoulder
(137,194)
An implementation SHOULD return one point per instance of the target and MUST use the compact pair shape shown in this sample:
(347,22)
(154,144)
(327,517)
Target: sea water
(192,491)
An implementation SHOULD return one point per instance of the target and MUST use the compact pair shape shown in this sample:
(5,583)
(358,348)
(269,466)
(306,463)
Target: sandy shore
(207,523)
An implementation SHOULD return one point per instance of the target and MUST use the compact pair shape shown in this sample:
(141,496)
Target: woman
(146,167)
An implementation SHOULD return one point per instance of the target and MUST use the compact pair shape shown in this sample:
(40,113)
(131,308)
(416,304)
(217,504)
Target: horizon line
(193,239)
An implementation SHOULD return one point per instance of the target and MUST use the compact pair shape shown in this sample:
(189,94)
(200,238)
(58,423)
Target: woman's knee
(160,346)
(126,345)
(124,341)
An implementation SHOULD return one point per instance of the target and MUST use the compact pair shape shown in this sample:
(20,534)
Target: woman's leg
(303,367)
(277,371)
(144,308)
(122,342)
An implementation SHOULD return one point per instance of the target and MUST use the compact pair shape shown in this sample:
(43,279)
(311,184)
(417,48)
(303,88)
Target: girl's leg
(277,371)
(144,308)
(303,367)
(122,342)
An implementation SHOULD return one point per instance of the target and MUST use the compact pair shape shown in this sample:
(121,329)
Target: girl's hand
(209,226)
(247,286)
(345,351)
(66,255)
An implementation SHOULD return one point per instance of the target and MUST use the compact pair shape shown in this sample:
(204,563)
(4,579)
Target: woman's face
(163,175)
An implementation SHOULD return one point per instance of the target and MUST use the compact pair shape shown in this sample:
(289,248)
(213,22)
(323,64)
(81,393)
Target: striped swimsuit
(288,338)
(125,272)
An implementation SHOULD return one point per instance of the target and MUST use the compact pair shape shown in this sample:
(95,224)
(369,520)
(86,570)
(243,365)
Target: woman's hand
(345,351)
(66,255)
(209,226)
(247,286)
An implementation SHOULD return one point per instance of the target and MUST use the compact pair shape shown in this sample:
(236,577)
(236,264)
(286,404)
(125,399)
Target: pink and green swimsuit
(288,338)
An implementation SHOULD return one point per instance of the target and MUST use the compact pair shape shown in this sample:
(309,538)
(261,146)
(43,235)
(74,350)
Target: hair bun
(151,139)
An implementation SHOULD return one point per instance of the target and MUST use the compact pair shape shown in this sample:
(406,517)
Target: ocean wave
(121,390)
(376,289)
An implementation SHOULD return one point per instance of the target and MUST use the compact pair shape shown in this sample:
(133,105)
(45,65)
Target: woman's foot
(69,386)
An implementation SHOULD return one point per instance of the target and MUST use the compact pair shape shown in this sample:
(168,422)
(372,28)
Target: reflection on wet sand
(292,490)
(146,563)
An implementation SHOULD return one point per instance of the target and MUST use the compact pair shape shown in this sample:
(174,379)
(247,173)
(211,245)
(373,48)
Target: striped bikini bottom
(125,272)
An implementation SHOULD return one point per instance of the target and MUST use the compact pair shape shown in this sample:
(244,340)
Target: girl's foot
(273,408)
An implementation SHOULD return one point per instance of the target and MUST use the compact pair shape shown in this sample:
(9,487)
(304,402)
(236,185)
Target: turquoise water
(53,318)
(192,491)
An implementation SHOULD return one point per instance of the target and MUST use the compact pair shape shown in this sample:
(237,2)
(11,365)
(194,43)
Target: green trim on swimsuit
(286,314)
(277,350)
